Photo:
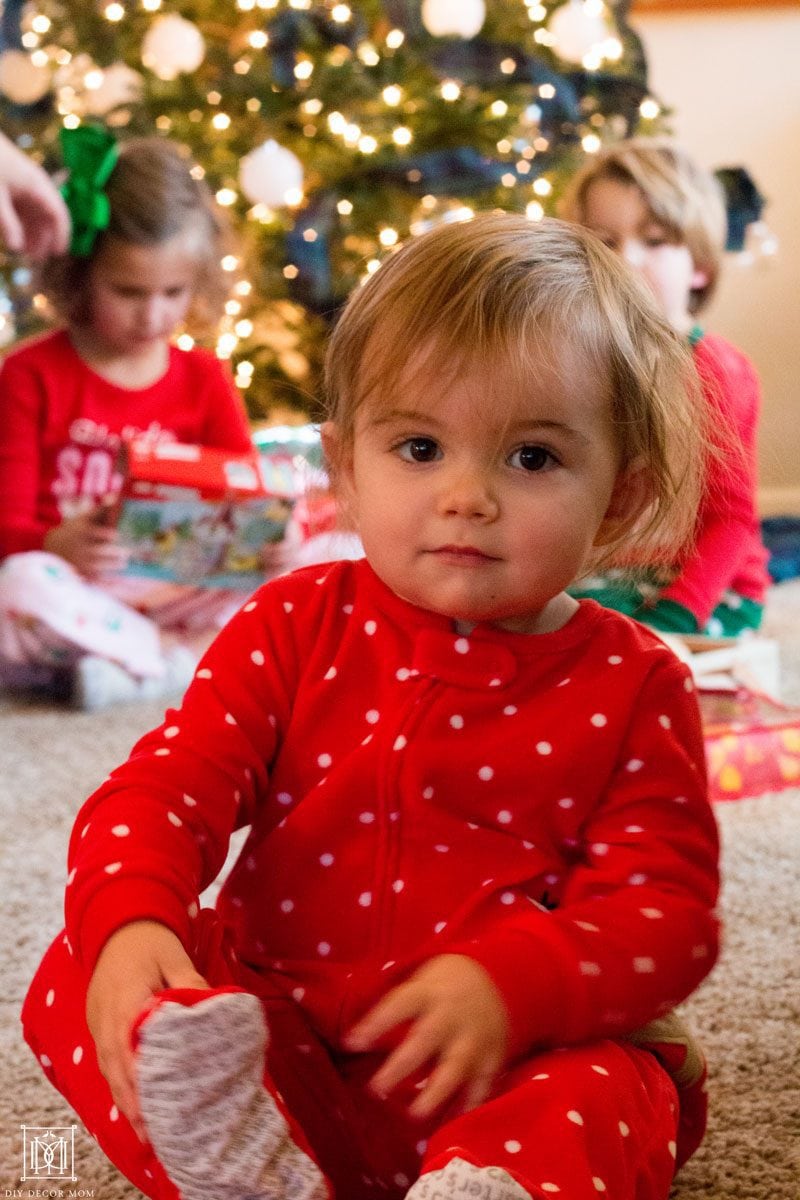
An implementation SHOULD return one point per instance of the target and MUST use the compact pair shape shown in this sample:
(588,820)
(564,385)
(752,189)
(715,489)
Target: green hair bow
(90,155)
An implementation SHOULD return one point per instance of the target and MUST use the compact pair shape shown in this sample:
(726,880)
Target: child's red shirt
(729,552)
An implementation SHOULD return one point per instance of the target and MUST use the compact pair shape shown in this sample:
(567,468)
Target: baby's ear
(333,446)
(329,432)
(632,496)
(699,279)
(338,457)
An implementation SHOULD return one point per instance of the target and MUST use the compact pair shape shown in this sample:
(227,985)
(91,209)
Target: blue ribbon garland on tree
(295,30)
(10,25)
(405,15)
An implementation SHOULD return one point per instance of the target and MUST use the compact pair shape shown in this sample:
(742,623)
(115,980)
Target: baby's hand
(136,962)
(458,1025)
(91,546)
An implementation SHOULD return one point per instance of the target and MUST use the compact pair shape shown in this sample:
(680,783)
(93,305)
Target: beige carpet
(748,1011)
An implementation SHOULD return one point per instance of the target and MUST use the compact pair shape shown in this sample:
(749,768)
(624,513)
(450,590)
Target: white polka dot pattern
(421,784)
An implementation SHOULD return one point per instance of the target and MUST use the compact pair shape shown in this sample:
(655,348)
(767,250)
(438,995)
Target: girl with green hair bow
(144,260)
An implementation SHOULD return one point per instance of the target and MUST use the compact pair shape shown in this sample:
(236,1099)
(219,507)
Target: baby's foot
(215,1127)
(461,1178)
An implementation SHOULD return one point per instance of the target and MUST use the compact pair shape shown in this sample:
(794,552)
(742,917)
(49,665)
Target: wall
(731,78)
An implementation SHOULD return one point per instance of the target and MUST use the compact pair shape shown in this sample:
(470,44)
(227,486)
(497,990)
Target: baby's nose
(469,493)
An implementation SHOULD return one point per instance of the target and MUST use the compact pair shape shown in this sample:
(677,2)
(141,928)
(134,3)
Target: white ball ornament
(271,175)
(20,79)
(173,46)
(453,18)
(579,26)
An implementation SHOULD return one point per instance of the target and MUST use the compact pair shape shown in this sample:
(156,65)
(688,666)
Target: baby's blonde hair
(502,290)
(687,200)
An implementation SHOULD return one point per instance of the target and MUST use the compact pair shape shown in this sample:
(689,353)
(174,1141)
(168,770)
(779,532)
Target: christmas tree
(329,131)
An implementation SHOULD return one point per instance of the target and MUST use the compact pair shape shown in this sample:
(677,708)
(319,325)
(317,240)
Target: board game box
(204,516)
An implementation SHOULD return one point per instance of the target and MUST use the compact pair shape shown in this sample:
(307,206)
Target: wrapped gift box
(752,743)
(201,515)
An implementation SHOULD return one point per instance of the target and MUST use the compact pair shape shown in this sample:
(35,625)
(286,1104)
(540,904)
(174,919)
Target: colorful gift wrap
(752,744)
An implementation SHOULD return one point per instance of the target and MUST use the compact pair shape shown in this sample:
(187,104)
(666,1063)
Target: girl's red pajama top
(62,425)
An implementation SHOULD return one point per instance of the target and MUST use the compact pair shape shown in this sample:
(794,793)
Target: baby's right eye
(419,449)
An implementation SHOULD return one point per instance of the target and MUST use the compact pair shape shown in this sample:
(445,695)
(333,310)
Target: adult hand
(33,216)
(92,547)
(137,961)
(458,1027)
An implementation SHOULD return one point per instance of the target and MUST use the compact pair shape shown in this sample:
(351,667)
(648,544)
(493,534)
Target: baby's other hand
(88,543)
(137,961)
(458,1027)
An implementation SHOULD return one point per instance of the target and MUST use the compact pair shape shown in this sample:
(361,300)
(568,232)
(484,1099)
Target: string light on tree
(453,18)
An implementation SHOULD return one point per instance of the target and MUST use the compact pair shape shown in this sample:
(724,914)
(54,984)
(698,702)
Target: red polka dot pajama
(537,803)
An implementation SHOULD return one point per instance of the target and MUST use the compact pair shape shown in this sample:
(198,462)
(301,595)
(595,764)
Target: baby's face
(480,497)
(618,214)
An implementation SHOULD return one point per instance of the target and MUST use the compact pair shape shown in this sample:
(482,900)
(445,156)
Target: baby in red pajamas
(481,866)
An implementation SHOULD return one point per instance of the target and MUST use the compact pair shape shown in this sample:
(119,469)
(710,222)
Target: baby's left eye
(419,449)
(531,458)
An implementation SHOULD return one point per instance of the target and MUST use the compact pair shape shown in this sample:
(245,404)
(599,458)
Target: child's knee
(33,574)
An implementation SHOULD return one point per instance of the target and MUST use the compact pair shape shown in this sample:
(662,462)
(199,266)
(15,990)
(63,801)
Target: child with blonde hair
(145,253)
(652,204)
(480,855)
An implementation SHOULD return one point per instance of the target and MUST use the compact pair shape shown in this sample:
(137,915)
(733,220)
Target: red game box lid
(210,471)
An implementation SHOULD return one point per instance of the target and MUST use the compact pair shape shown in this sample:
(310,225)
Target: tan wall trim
(683,6)
(779,502)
